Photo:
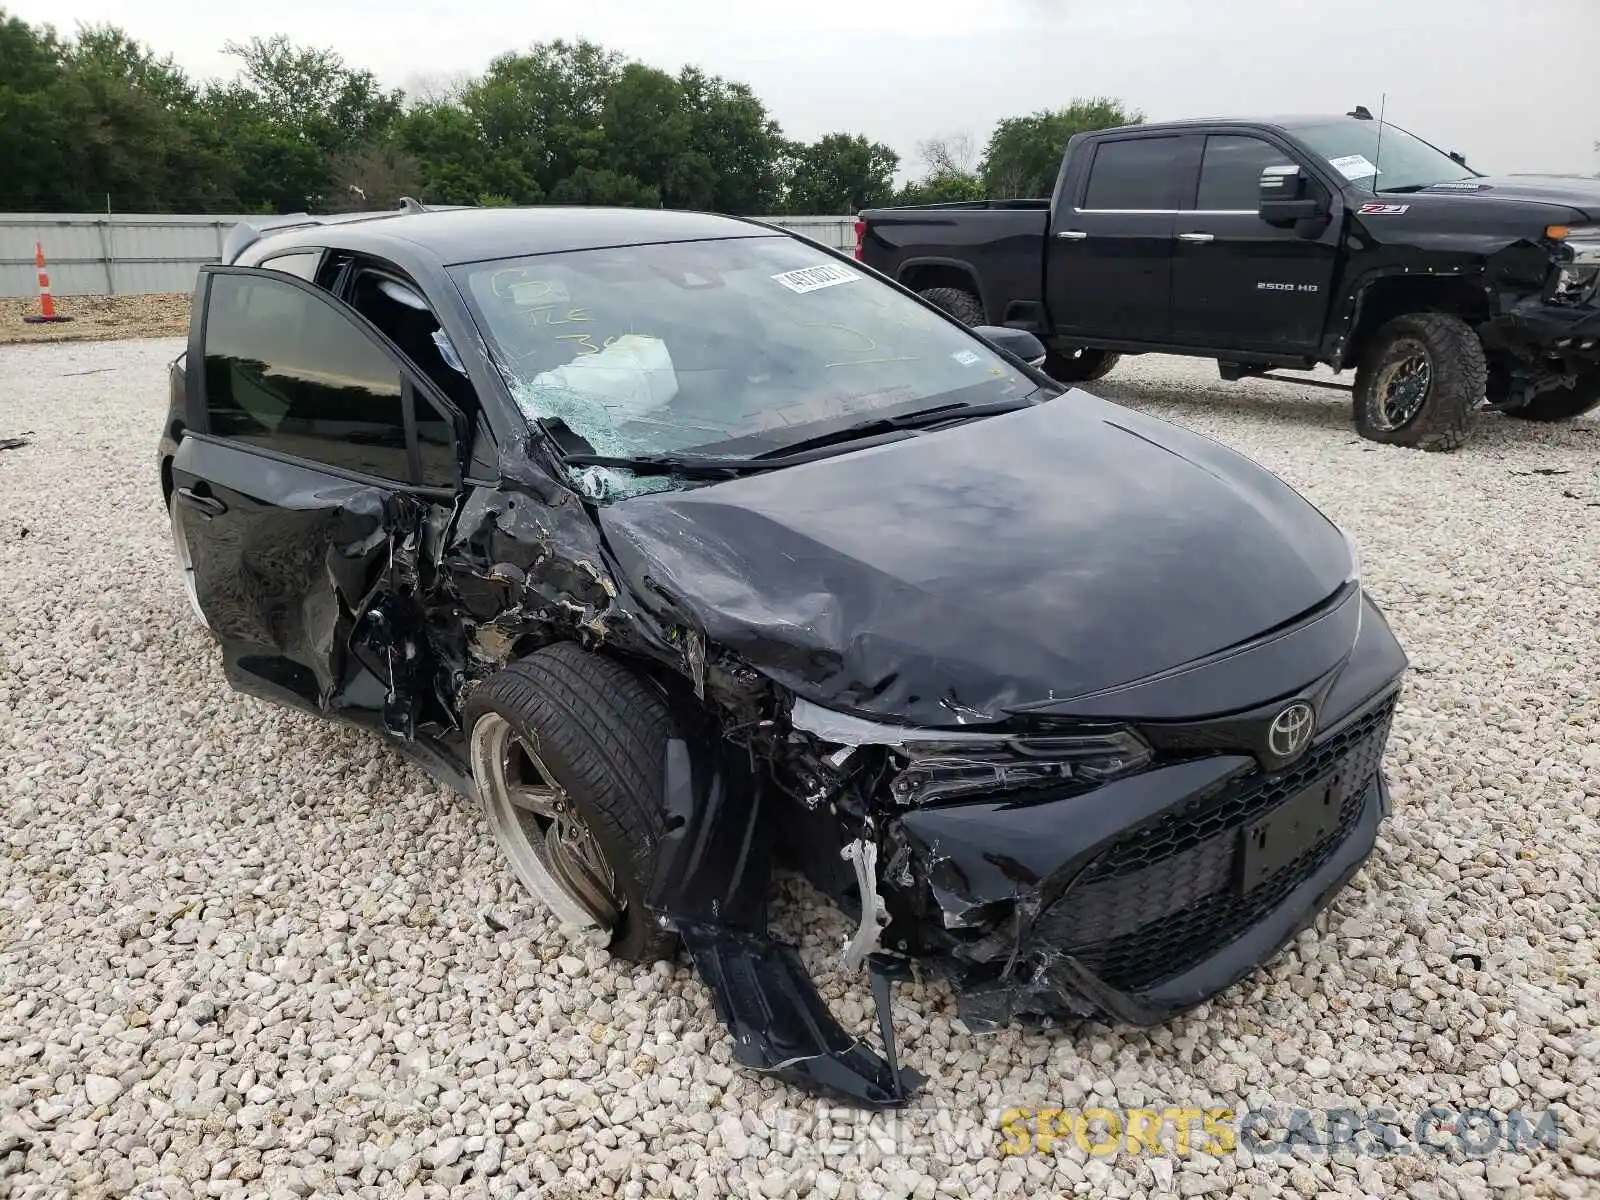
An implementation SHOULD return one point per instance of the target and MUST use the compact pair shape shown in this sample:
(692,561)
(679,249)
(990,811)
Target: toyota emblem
(1290,731)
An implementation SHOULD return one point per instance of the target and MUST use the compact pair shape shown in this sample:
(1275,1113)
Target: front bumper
(1241,956)
(1538,328)
(1128,902)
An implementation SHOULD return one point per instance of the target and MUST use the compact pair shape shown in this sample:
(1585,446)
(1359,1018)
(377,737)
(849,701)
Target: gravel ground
(96,317)
(243,952)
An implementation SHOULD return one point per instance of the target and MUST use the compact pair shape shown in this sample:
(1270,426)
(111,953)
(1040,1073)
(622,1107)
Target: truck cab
(1285,243)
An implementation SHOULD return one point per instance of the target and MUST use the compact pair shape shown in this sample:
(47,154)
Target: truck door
(1108,270)
(1237,282)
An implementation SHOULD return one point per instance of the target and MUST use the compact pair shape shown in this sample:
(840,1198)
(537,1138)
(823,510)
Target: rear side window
(1230,173)
(1139,173)
(284,372)
(302,264)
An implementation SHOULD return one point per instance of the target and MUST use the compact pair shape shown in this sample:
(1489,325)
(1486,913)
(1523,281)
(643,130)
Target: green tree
(143,142)
(840,173)
(948,173)
(36,133)
(646,126)
(941,188)
(457,163)
(1024,153)
(293,111)
(544,110)
(734,161)
(590,185)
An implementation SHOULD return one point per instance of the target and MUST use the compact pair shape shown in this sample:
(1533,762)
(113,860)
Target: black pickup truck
(1284,243)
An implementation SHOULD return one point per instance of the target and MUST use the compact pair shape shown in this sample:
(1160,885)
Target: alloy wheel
(1401,387)
(546,841)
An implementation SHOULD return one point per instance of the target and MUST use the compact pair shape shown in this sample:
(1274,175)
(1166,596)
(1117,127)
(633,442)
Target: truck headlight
(1577,263)
(928,765)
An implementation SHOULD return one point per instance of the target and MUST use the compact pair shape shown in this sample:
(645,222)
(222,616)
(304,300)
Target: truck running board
(1235,371)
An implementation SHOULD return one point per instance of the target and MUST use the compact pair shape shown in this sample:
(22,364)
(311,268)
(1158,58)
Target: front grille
(1161,899)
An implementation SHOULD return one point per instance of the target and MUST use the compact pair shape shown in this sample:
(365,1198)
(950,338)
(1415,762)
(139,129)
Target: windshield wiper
(689,466)
(917,419)
(705,466)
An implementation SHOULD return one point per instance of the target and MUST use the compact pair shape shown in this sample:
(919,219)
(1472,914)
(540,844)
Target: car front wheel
(1420,383)
(568,751)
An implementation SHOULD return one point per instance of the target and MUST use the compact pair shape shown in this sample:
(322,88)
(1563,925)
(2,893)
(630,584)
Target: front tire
(1562,404)
(568,750)
(1420,382)
(960,304)
(1079,366)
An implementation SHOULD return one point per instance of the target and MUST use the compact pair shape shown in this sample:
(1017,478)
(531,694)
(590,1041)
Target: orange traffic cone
(47,306)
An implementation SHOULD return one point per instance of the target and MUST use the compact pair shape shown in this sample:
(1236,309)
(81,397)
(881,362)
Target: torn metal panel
(780,1024)
(713,873)
(714,862)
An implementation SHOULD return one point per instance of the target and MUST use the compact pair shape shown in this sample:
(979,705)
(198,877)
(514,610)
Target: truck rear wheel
(1562,404)
(1079,366)
(962,305)
(1420,382)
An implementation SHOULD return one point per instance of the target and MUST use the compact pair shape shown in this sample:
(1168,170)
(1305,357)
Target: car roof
(1286,122)
(462,235)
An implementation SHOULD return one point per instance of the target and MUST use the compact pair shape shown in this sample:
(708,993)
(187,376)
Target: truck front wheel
(1420,382)
(1563,403)
(1079,366)
(962,305)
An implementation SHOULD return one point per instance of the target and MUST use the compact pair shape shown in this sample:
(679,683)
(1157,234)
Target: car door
(1239,283)
(305,484)
(1109,269)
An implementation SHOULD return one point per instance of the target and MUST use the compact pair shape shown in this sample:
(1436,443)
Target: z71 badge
(1383,210)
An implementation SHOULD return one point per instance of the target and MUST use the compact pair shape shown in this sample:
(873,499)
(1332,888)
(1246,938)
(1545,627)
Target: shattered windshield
(1402,162)
(734,348)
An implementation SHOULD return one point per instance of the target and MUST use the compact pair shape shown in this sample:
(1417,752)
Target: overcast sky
(1512,85)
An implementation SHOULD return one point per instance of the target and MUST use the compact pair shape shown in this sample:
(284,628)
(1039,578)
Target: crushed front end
(1125,869)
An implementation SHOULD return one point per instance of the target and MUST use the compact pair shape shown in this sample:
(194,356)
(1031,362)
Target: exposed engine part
(863,855)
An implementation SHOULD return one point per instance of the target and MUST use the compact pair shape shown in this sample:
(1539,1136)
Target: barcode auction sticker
(1354,166)
(811,279)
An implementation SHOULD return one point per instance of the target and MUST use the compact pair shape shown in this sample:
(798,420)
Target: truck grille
(1162,900)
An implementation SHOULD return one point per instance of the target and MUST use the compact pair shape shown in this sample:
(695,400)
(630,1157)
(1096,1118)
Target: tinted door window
(436,444)
(285,372)
(1230,173)
(1140,173)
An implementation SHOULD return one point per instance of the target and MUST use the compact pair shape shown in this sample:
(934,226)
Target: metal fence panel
(96,254)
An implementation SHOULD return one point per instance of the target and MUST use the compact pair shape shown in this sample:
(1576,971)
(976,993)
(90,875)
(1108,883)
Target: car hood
(1574,192)
(1017,560)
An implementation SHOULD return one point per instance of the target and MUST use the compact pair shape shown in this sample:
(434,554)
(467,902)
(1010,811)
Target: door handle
(1071,235)
(209,505)
(1197,238)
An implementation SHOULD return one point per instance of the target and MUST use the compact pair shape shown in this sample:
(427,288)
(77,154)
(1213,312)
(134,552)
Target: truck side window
(1230,173)
(1140,174)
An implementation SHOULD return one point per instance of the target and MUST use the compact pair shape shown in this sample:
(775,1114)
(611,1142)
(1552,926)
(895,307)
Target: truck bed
(1003,239)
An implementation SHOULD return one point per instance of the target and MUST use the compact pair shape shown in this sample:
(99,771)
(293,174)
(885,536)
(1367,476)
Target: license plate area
(1276,840)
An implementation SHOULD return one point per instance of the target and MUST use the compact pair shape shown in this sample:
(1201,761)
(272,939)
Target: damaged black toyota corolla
(692,548)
